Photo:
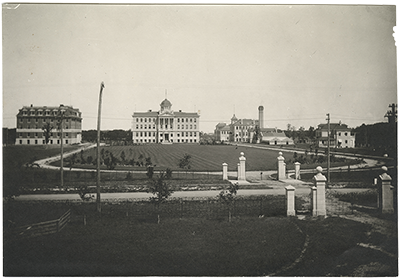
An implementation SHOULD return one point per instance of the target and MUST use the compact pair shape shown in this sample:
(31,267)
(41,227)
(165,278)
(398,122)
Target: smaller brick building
(31,119)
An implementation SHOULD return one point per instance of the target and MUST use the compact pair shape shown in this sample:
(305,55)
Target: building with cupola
(250,131)
(165,126)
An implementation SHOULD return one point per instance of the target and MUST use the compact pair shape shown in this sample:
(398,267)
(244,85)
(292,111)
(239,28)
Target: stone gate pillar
(290,198)
(314,200)
(242,174)
(224,171)
(297,170)
(281,167)
(238,171)
(320,183)
(385,193)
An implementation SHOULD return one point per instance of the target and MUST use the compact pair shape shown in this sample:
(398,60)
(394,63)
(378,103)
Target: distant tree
(110,161)
(168,173)
(72,160)
(89,159)
(148,161)
(185,162)
(123,157)
(83,161)
(161,192)
(256,135)
(150,171)
(141,160)
(47,129)
(228,197)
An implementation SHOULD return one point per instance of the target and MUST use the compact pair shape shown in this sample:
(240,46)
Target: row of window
(36,120)
(177,119)
(241,127)
(36,127)
(149,134)
(326,142)
(28,142)
(153,141)
(166,126)
(37,134)
(46,113)
(345,134)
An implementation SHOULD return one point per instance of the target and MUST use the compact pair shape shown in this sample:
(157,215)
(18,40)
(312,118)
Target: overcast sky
(300,62)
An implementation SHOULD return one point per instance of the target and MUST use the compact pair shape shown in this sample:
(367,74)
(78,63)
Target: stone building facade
(31,119)
(165,126)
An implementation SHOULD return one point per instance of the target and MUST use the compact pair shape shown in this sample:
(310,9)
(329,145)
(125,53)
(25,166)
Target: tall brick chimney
(261,117)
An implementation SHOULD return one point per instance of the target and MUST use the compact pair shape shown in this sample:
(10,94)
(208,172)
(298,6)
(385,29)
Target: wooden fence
(43,228)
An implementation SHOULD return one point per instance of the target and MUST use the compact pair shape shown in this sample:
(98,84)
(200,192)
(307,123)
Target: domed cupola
(233,119)
(165,106)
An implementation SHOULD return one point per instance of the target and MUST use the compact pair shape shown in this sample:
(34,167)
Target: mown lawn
(118,243)
(122,246)
(203,157)
(110,246)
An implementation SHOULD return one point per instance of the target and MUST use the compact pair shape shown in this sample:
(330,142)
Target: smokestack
(261,117)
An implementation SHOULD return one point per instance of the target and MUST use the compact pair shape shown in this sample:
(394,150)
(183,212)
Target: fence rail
(202,207)
(43,178)
(43,228)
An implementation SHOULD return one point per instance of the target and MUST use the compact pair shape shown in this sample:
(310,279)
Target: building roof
(273,134)
(220,125)
(334,126)
(155,114)
(69,110)
(145,114)
(166,103)
(246,122)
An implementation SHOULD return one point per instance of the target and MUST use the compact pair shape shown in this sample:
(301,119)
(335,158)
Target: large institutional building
(30,122)
(165,126)
(244,130)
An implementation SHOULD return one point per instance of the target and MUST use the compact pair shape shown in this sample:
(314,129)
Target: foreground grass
(187,247)
(334,250)
(115,244)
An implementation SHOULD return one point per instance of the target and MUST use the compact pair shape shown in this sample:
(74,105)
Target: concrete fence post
(297,170)
(320,183)
(314,200)
(281,167)
(224,171)
(290,198)
(385,193)
(242,174)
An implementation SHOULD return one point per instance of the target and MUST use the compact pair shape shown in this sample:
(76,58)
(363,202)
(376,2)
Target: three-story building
(165,126)
(32,119)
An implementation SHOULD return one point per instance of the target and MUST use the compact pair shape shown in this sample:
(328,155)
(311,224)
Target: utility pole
(98,201)
(61,113)
(329,149)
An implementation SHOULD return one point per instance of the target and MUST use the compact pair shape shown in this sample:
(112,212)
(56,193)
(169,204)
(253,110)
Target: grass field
(203,157)
(111,245)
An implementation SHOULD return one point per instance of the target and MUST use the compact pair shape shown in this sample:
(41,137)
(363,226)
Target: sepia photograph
(214,140)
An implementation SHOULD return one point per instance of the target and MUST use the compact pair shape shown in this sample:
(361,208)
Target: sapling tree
(47,128)
(228,197)
(185,162)
(161,191)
